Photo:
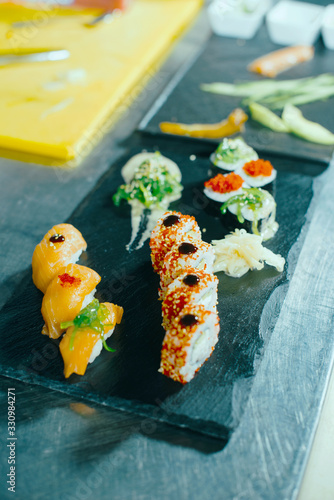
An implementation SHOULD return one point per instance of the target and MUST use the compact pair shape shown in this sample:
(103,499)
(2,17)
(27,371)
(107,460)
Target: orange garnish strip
(258,167)
(280,60)
(225,183)
(231,125)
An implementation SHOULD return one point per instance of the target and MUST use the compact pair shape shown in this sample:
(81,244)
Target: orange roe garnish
(258,167)
(67,281)
(225,183)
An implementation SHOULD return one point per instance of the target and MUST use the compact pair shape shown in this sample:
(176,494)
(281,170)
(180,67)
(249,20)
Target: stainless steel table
(68,450)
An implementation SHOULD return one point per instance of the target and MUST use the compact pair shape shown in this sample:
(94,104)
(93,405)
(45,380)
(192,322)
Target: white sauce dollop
(137,208)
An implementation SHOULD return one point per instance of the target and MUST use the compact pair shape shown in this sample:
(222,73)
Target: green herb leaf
(107,348)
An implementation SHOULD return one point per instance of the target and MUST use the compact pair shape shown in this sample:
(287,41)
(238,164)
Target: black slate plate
(226,60)
(128,379)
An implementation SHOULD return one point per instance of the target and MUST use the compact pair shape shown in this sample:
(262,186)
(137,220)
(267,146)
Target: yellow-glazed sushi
(70,291)
(84,339)
(62,245)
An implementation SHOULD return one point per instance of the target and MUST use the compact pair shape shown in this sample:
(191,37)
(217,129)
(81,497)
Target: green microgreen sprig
(251,198)
(92,316)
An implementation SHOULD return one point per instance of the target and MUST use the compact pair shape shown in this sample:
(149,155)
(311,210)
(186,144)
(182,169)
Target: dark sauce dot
(171,220)
(188,320)
(57,238)
(187,248)
(191,280)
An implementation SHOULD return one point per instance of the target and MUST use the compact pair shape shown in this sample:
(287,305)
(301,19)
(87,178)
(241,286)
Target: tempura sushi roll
(170,228)
(232,154)
(193,287)
(69,292)
(189,253)
(62,245)
(223,186)
(257,173)
(188,343)
(84,339)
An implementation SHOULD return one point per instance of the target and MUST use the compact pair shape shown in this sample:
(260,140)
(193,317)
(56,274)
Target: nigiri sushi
(86,334)
(69,292)
(170,228)
(188,343)
(62,245)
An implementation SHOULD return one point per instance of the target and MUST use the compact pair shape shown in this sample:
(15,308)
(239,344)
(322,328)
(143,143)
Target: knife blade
(49,55)
(104,17)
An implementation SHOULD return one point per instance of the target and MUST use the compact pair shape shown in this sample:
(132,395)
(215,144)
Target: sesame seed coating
(164,237)
(179,295)
(189,294)
(177,344)
(175,262)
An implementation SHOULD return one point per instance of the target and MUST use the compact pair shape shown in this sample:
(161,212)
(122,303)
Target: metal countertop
(68,450)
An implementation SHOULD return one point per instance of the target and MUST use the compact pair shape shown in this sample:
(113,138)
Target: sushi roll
(193,287)
(232,154)
(223,186)
(188,343)
(255,209)
(170,228)
(258,173)
(62,245)
(189,253)
(84,339)
(70,291)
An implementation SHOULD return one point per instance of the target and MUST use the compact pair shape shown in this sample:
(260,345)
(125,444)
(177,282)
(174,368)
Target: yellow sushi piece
(60,246)
(69,291)
(87,342)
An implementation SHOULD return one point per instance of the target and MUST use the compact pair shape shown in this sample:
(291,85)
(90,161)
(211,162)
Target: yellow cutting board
(62,109)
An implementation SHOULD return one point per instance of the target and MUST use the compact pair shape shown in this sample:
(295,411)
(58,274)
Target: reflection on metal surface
(83,409)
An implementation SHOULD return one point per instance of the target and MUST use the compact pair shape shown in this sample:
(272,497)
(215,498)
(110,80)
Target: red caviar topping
(258,167)
(67,281)
(225,183)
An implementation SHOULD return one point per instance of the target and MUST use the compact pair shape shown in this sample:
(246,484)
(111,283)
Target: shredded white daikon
(240,251)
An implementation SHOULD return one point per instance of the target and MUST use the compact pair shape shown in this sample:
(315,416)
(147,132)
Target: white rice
(75,257)
(200,348)
(99,345)
(88,299)
(259,181)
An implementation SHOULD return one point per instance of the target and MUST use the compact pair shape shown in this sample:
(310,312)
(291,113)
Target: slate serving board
(128,379)
(226,60)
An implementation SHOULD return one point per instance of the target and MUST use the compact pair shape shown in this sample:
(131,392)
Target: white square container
(328,27)
(294,23)
(228,20)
